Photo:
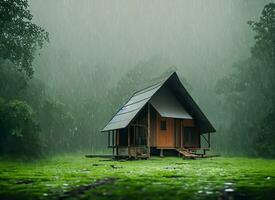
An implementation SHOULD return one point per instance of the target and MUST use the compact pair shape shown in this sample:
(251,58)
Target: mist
(201,40)
(100,52)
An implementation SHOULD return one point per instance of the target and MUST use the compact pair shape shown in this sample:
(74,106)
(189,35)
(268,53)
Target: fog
(200,39)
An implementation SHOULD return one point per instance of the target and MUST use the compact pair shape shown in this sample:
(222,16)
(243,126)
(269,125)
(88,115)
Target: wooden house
(159,119)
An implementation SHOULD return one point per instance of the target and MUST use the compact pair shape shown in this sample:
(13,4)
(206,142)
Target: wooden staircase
(185,153)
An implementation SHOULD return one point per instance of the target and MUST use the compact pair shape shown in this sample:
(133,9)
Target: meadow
(78,177)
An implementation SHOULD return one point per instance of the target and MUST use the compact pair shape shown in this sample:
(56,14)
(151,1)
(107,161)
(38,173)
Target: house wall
(172,137)
(165,138)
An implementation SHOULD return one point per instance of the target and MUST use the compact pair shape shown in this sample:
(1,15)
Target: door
(190,137)
(165,132)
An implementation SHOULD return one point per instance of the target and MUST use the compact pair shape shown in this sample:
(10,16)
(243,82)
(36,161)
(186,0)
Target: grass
(157,178)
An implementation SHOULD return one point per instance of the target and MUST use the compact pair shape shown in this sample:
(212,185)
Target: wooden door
(191,137)
(165,132)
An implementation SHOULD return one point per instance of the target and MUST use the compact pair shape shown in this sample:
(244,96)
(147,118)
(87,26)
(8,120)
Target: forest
(67,66)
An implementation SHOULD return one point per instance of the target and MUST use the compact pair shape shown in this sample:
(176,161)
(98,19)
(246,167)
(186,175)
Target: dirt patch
(84,188)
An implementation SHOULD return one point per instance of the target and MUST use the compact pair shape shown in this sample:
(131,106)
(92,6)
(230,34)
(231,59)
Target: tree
(19,40)
(58,127)
(249,92)
(19,130)
(19,37)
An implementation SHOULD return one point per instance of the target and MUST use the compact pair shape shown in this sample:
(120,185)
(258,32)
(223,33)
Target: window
(163,125)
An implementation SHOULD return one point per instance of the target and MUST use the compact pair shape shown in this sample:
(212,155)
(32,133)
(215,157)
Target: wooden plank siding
(165,138)
(172,137)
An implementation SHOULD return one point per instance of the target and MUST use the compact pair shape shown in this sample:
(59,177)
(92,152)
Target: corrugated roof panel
(127,113)
(115,125)
(132,107)
(149,88)
(141,96)
(120,121)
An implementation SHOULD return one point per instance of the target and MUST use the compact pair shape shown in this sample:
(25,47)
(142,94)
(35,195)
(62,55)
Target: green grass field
(77,177)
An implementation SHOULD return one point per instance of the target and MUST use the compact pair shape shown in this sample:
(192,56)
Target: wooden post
(129,152)
(161,153)
(148,135)
(181,136)
(109,139)
(117,141)
(113,141)
(208,140)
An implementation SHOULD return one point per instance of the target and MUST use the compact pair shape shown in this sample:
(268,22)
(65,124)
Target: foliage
(54,119)
(19,130)
(157,178)
(250,90)
(264,48)
(58,128)
(12,82)
(19,37)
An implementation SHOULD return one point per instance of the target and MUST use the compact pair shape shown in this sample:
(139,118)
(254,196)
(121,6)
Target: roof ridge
(155,84)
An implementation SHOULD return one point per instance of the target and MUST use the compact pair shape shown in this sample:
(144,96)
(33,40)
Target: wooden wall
(172,137)
(165,138)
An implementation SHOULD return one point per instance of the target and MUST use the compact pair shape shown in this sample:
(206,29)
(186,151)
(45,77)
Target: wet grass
(166,178)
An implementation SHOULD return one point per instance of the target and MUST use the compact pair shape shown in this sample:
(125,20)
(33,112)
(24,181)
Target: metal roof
(189,108)
(125,115)
(167,105)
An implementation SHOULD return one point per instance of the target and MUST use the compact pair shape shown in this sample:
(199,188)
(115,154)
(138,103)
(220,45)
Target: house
(159,119)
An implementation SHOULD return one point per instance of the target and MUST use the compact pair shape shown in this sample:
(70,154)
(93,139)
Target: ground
(77,177)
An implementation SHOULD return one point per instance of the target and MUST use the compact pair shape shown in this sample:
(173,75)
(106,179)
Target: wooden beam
(148,135)
(113,141)
(113,138)
(117,141)
(181,136)
(108,138)
(134,135)
(129,152)
(208,134)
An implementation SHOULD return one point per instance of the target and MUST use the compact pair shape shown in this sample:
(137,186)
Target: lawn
(77,177)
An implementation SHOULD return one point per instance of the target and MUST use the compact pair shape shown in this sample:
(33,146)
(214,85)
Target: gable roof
(139,99)
(167,105)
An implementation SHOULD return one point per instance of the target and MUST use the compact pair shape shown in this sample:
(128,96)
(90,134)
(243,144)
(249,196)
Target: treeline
(248,95)
(32,122)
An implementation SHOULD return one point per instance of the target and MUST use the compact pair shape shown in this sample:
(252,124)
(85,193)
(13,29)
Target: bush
(18,129)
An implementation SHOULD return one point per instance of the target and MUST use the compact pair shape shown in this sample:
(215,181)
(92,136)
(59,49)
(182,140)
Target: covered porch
(134,140)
